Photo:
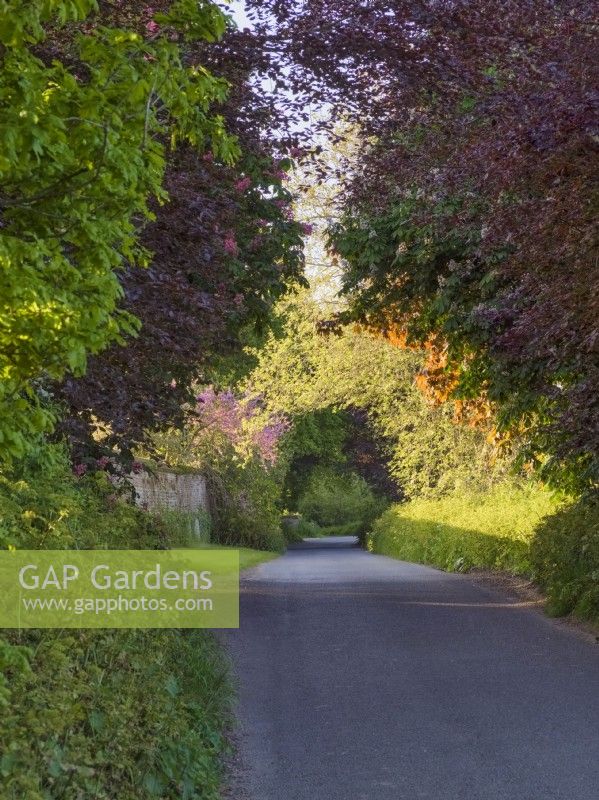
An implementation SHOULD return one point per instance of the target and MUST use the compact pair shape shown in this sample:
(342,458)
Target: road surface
(365,678)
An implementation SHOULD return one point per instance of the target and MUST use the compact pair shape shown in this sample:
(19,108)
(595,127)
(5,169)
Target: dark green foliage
(305,529)
(105,714)
(565,559)
(358,528)
(334,498)
(246,505)
(315,438)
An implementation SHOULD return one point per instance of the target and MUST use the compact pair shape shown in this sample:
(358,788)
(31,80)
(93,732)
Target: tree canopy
(469,216)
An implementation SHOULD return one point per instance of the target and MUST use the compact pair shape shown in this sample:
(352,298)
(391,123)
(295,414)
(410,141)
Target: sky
(237,9)
(320,272)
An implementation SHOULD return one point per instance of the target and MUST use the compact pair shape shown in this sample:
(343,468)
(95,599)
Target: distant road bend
(365,678)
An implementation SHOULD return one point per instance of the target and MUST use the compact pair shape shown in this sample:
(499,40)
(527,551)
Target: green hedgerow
(333,498)
(466,529)
(565,558)
(132,714)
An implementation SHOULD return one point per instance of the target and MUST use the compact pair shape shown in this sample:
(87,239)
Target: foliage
(333,498)
(469,210)
(306,370)
(318,434)
(87,714)
(491,530)
(86,114)
(247,505)
(305,529)
(462,302)
(314,438)
(224,248)
(44,505)
(565,559)
(360,527)
(235,446)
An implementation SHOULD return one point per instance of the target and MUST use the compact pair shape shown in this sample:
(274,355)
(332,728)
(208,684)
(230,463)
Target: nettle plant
(88,113)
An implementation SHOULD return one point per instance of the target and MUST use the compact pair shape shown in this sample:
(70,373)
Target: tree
(85,148)
(308,370)
(470,210)
(224,248)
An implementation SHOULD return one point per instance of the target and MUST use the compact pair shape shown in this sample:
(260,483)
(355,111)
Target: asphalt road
(365,678)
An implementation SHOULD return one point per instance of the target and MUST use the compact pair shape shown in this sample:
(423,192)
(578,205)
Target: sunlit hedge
(565,557)
(105,713)
(467,529)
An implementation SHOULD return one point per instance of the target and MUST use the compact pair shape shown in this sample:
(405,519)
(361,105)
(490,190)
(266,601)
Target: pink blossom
(152,27)
(230,245)
(225,413)
(281,204)
(103,462)
(136,467)
(208,156)
(280,175)
(80,469)
(295,152)
(243,184)
(307,228)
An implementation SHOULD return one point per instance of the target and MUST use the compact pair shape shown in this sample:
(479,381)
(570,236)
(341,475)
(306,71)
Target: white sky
(237,9)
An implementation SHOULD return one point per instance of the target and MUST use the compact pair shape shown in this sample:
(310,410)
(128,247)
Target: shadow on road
(326,543)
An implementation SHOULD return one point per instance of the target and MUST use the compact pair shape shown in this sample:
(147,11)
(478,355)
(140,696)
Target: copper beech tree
(469,216)
(222,245)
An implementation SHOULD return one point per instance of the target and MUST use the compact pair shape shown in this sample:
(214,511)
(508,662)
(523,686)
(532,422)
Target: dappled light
(312,288)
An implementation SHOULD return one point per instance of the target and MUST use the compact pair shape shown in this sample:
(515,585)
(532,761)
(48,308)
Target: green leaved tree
(88,114)
(310,368)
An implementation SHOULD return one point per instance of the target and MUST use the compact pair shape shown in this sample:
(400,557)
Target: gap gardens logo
(119,589)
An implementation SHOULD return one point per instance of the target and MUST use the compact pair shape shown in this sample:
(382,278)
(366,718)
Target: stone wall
(186,493)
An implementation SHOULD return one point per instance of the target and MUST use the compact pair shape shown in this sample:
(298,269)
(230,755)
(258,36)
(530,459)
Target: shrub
(89,714)
(355,528)
(490,530)
(46,506)
(314,438)
(129,714)
(307,530)
(565,558)
(237,449)
(338,499)
(246,505)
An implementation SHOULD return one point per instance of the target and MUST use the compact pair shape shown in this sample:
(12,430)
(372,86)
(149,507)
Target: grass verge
(248,557)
